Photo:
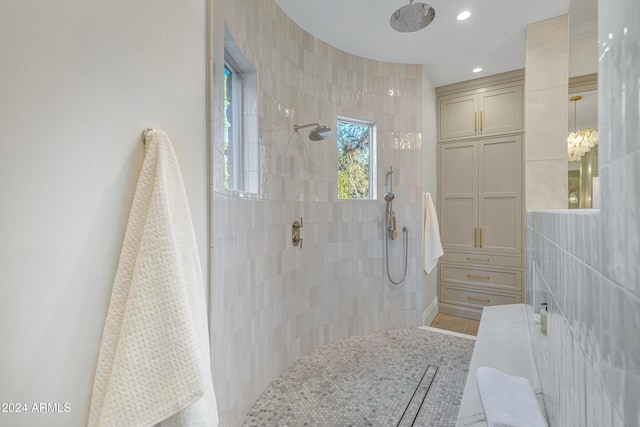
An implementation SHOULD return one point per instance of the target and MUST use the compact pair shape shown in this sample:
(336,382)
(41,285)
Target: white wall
(80,80)
(430,184)
(583,56)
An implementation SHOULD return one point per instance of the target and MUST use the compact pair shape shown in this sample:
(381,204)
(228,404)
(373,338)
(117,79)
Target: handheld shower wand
(392,230)
(391,218)
(388,197)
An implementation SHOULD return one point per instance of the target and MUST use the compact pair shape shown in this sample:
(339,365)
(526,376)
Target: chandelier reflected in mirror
(580,141)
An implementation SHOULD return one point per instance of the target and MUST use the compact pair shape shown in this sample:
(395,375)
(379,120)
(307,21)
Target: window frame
(244,177)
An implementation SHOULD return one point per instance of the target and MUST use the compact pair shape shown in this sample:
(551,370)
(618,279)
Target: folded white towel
(508,401)
(432,247)
(154,361)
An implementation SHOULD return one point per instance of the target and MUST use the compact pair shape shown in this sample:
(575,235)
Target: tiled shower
(272,303)
(275,302)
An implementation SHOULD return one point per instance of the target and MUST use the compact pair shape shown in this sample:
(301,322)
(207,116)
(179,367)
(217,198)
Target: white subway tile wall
(271,302)
(585,264)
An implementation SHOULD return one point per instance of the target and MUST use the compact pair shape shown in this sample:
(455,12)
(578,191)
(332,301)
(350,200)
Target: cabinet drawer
(508,280)
(482,259)
(473,298)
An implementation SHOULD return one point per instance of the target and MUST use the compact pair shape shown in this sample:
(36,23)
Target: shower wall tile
(585,263)
(272,303)
(543,141)
(543,43)
(546,80)
(542,178)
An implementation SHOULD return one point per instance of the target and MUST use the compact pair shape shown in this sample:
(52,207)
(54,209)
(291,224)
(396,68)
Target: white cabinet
(480,195)
(486,111)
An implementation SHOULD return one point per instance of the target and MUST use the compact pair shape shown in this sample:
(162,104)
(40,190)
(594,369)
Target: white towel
(432,247)
(154,361)
(508,401)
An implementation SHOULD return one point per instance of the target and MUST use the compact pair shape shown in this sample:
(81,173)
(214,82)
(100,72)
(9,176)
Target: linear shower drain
(412,410)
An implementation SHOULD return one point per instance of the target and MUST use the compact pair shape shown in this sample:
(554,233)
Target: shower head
(318,133)
(412,17)
(388,197)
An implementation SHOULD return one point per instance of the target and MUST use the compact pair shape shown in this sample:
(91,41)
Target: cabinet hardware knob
(473,276)
(479,299)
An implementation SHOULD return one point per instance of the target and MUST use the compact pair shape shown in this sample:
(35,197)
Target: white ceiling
(493,38)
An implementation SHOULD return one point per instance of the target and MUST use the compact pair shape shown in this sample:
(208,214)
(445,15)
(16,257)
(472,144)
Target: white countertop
(503,343)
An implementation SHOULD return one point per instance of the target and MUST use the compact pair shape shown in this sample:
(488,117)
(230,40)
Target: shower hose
(406,254)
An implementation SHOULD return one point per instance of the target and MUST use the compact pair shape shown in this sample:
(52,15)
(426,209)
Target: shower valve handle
(295,233)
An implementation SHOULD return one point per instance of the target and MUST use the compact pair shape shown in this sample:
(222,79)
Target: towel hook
(144,134)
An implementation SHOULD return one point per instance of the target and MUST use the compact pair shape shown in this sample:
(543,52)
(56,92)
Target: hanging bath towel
(154,361)
(431,245)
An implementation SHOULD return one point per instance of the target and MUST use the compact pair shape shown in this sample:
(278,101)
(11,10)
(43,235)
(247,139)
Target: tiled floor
(398,377)
(456,324)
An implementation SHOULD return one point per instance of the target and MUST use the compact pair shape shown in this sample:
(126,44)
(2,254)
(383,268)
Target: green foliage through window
(240,143)
(354,159)
(228,118)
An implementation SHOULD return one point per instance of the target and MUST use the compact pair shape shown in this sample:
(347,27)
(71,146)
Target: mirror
(584,188)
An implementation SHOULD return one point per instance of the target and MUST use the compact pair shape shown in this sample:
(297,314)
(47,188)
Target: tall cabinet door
(459,195)
(500,194)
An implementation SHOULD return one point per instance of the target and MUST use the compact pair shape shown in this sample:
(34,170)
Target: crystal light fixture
(580,141)
(573,197)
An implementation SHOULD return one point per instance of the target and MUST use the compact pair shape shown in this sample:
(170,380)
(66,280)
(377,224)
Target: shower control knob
(296,240)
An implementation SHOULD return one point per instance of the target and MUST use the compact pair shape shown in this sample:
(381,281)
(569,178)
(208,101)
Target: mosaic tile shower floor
(369,381)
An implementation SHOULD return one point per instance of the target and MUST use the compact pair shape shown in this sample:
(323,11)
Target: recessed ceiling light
(464,15)
(477,69)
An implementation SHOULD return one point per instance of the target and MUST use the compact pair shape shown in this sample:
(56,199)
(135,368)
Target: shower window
(240,120)
(356,159)
(232,128)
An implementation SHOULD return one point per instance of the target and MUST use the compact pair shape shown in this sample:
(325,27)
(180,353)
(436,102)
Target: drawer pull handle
(479,299)
(473,276)
(475,241)
(478,259)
